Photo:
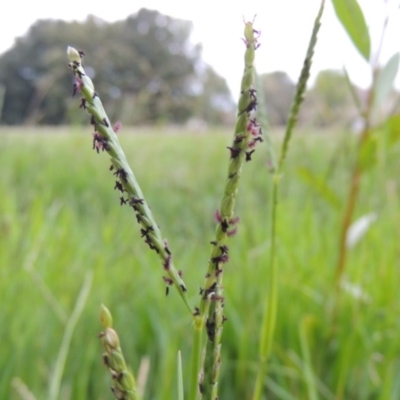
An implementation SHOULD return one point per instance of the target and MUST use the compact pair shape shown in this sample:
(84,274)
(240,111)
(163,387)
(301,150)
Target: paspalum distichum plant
(208,315)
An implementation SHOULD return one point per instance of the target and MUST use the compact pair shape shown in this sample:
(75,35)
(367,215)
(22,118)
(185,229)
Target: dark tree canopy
(145,68)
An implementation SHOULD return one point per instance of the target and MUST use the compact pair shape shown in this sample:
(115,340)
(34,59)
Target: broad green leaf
(320,186)
(385,80)
(353,21)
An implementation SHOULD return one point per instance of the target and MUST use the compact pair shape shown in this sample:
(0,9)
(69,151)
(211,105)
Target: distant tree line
(328,102)
(148,72)
(145,67)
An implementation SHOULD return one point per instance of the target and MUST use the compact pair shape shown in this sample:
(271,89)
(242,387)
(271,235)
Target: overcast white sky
(285,25)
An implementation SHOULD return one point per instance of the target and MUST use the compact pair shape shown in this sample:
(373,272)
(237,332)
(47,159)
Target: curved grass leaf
(385,80)
(271,299)
(300,88)
(352,18)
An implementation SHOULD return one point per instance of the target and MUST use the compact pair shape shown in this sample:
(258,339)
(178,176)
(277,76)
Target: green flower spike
(124,386)
(210,314)
(105,139)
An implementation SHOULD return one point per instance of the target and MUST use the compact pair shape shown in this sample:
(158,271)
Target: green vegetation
(153,73)
(59,220)
(321,244)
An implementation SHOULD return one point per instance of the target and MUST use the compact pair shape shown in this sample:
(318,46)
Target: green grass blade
(55,381)
(305,350)
(180,378)
(271,301)
(352,18)
(301,87)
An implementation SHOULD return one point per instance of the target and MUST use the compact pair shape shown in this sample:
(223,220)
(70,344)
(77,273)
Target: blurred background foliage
(148,71)
(145,67)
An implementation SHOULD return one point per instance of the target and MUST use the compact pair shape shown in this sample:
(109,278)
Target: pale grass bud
(106,317)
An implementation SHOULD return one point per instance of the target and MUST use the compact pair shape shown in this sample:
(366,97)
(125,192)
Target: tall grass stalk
(209,314)
(354,189)
(382,82)
(105,139)
(271,305)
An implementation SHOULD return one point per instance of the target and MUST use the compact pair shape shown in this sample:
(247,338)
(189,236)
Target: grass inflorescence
(105,139)
(209,314)
(247,135)
(124,385)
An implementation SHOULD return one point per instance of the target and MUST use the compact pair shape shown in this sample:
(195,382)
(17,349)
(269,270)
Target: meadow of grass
(60,218)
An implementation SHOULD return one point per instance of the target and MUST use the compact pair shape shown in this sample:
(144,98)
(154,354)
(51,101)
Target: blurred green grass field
(60,218)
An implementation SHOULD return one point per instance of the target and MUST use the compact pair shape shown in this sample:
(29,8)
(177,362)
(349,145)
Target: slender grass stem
(305,349)
(354,189)
(346,222)
(180,378)
(271,301)
(196,360)
(367,115)
(55,381)
(271,305)
(209,314)
(105,139)
(247,135)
